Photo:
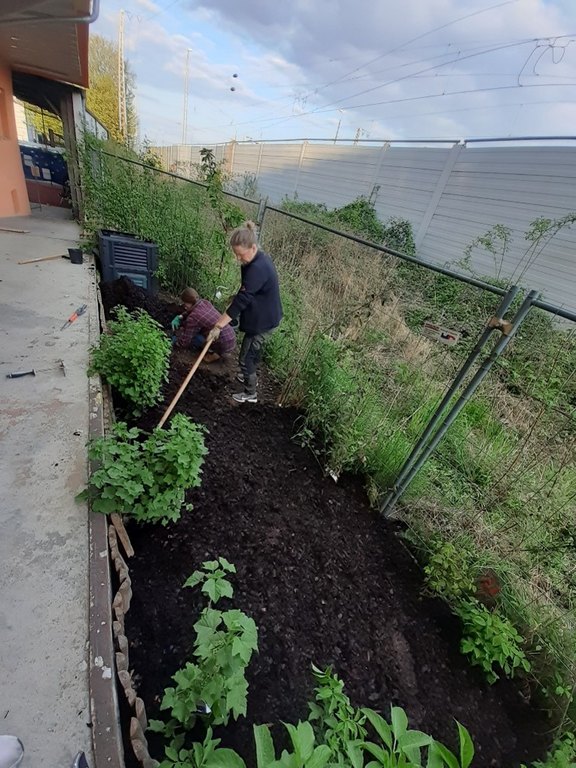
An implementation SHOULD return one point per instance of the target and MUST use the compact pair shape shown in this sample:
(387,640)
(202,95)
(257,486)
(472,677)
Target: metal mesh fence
(128,196)
(375,343)
(369,347)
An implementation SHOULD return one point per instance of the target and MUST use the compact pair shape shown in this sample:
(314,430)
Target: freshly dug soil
(326,580)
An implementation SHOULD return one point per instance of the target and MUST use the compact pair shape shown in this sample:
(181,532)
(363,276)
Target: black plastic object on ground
(122,254)
(76,255)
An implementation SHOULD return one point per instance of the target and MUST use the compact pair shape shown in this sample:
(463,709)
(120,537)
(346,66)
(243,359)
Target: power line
(477,52)
(330,107)
(491,49)
(415,39)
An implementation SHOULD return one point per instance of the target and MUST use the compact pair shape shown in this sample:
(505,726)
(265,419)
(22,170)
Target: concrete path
(44,697)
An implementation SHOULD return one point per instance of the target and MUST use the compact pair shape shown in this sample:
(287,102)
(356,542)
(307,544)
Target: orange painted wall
(13,194)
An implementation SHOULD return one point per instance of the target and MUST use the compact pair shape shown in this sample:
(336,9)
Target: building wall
(13,194)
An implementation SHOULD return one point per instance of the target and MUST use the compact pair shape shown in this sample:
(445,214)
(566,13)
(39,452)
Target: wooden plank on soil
(122,533)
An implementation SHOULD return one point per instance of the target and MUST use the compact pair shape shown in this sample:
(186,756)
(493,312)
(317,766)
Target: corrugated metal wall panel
(487,185)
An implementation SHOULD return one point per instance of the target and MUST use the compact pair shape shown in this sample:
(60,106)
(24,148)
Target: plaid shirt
(201,319)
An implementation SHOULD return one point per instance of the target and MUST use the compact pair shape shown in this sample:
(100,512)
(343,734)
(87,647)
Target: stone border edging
(120,607)
(104,710)
(109,647)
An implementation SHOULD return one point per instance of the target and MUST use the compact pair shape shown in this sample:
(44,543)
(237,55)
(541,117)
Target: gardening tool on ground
(34,371)
(178,394)
(75,316)
(44,258)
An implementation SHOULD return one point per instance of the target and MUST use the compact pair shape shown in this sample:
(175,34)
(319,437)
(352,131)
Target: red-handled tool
(75,316)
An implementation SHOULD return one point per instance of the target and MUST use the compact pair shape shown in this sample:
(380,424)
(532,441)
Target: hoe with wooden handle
(116,518)
(185,383)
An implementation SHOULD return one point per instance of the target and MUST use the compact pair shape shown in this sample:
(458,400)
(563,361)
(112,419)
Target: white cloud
(444,68)
(148,5)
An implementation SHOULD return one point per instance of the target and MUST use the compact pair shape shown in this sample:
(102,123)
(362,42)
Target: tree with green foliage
(102,95)
(43,121)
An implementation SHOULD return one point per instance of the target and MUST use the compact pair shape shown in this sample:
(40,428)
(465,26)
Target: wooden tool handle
(43,258)
(178,394)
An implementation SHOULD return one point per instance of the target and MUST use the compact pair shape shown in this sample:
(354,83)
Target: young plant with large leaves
(146,479)
(214,685)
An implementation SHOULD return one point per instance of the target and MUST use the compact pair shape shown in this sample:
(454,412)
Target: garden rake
(185,383)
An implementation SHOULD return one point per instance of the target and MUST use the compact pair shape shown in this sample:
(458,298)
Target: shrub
(146,480)
(562,754)
(448,571)
(491,641)
(133,357)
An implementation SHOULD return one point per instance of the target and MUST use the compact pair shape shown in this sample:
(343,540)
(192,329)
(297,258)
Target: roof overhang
(47,38)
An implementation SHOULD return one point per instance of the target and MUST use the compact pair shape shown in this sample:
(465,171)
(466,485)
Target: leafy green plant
(213,579)
(206,754)
(133,357)
(401,747)
(228,215)
(337,722)
(146,480)
(215,684)
(360,218)
(448,571)
(562,754)
(491,641)
(305,752)
(398,234)
(339,739)
(396,746)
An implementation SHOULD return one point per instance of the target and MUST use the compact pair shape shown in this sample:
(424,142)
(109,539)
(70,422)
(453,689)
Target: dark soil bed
(326,580)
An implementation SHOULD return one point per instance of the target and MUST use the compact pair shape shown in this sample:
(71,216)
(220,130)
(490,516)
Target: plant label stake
(178,394)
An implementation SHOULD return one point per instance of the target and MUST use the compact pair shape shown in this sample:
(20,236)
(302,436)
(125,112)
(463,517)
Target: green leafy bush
(359,218)
(448,571)
(337,722)
(146,480)
(133,357)
(401,747)
(491,641)
(562,754)
(216,682)
(334,736)
(304,754)
(395,746)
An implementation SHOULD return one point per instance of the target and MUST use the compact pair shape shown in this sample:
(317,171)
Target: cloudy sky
(419,69)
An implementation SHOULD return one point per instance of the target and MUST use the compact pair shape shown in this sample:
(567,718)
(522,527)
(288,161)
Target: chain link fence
(370,348)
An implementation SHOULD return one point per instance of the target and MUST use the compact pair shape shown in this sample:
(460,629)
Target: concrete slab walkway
(44,547)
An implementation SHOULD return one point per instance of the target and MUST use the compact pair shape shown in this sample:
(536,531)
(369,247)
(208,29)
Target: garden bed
(326,580)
